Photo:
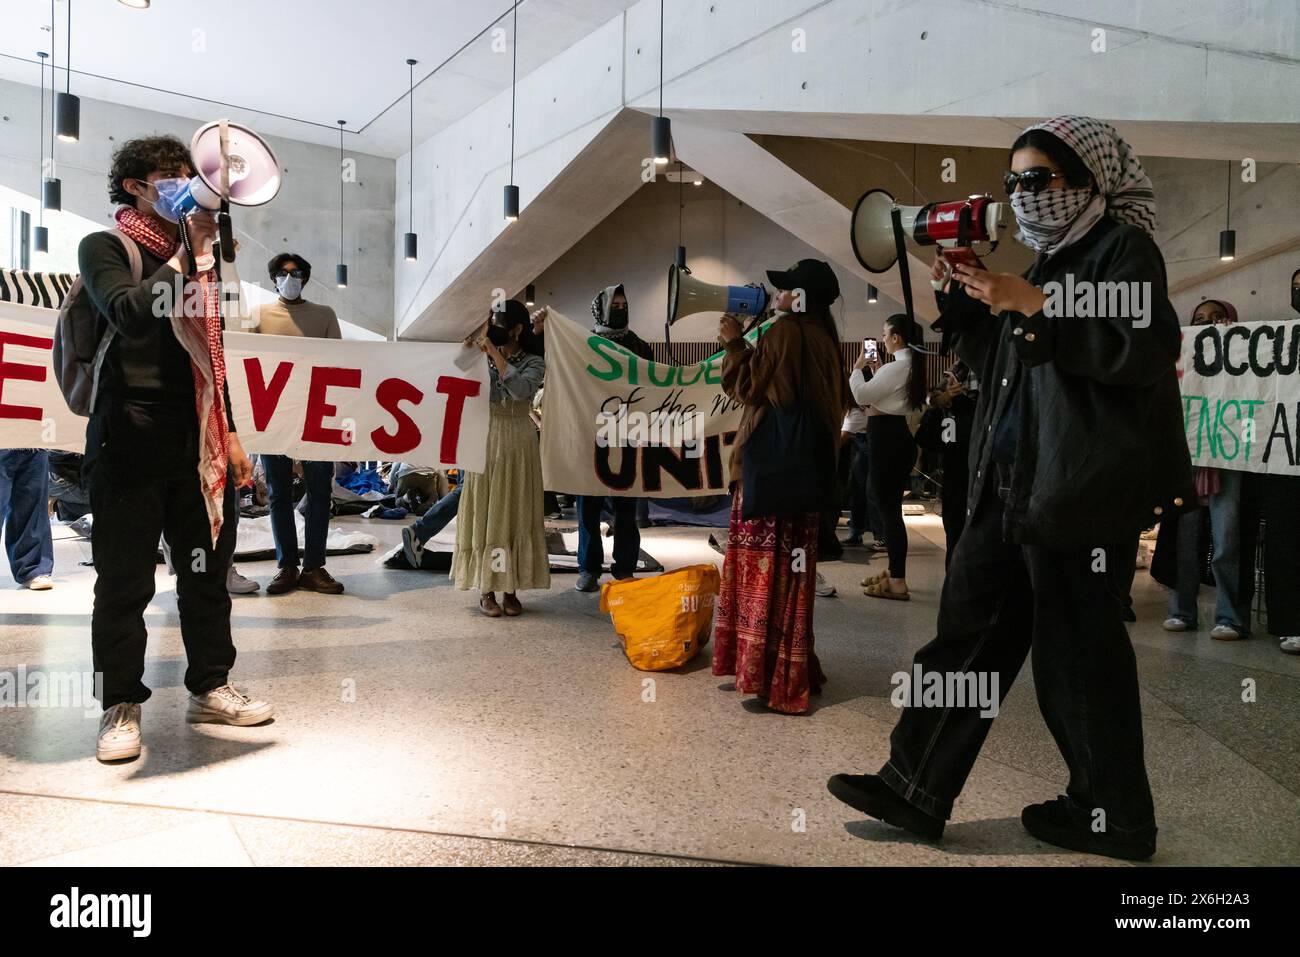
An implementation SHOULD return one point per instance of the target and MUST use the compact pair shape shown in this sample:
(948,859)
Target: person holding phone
(890,395)
(500,530)
(1077,442)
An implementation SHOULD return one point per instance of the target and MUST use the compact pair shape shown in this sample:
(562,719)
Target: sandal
(488,605)
(880,589)
(878,577)
(510,605)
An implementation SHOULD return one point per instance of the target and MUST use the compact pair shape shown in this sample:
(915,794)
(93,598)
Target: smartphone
(869,348)
(963,255)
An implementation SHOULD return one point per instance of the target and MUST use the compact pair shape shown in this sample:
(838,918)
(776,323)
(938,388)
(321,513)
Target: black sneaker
(1052,822)
(870,795)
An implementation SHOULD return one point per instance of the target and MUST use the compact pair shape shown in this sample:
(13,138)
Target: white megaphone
(688,295)
(955,227)
(232,164)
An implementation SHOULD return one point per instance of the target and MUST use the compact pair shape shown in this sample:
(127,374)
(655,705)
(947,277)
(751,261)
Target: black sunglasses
(1033,180)
(295,273)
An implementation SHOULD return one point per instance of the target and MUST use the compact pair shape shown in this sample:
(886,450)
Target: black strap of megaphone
(904,274)
(226,232)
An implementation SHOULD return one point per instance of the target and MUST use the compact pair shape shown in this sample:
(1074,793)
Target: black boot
(870,795)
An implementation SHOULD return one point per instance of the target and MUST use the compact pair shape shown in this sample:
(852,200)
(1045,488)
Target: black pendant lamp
(67,108)
(872,294)
(512,191)
(41,235)
(530,296)
(661,132)
(681,206)
(341,270)
(410,240)
(1228,235)
(51,188)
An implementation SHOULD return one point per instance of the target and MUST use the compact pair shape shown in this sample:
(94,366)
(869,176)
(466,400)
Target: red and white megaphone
(955,227)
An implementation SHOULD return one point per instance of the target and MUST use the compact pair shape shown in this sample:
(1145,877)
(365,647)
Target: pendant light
(661,134)
(341,270)
(41,235)
(51,188)
(512,191)
(410,240)
(68,107)
(681,249)
(530,296)
(1228,235)
(872,294)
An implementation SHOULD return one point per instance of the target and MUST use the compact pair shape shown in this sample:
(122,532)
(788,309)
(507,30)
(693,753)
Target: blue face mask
(289,287)
(169,191)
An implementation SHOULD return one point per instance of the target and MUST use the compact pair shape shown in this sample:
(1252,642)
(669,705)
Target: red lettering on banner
(407,436)
(261,397)
(322,377)
(457,390)
(23,371)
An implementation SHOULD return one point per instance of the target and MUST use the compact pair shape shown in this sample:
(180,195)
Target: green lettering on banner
(598,346)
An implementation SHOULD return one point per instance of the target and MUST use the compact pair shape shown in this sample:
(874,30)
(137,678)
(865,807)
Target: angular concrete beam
(757,178)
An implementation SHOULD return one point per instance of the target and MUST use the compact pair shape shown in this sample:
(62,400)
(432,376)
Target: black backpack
(80,342)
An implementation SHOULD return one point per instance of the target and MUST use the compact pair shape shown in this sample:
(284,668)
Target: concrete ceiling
(294,68)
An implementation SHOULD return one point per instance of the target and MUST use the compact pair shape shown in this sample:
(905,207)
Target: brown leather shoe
(488,605)
(285,580)
(510,605)
(319,580)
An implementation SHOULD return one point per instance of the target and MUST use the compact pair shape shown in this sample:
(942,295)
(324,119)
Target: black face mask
(1295,298)
(497,335)
(618,317)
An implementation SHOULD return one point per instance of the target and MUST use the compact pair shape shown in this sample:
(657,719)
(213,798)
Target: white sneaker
(1225,633)
(824,589)
(1290,645)
(40,583)
(119,733)
(1175,624)
(226,705)
(411,547)
(237,584)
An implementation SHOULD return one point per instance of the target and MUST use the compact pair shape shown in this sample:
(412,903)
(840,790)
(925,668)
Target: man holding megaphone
(162,456)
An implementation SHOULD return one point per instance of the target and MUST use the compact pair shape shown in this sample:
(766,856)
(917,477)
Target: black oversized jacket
(1100,450)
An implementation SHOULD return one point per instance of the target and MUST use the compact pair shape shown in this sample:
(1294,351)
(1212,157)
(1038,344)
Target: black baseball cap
(814,277)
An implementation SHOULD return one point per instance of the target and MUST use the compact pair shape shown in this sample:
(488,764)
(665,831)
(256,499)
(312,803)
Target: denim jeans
(319,478)
(1000,602)
(627,537)
(1225,524)
(863,516)
(436,518)
(24,491)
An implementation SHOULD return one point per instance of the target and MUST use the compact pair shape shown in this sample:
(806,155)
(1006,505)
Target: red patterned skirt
(764,620)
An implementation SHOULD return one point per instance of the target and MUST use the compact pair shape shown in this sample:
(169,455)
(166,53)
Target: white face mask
(289,287)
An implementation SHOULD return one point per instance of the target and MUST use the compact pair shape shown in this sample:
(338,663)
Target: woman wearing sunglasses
(1077,442)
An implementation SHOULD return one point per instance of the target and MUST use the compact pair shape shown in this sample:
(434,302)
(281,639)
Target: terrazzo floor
(412,730)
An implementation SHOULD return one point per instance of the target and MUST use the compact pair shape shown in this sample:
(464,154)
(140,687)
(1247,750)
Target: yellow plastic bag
(663,621)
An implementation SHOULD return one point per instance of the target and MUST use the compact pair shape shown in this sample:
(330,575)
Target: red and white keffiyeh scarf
(200,336)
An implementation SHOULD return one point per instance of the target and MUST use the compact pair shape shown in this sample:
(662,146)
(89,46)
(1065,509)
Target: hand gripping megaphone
(688,295)
(232,164)
(955,227)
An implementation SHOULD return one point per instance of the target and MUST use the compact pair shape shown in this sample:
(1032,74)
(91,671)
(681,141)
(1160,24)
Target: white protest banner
(314,399)
(616,424)
(329,399)
(33,414)
(1241,395)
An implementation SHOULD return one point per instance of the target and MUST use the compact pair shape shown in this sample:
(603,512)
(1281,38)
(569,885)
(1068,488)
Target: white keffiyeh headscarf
(1124,189)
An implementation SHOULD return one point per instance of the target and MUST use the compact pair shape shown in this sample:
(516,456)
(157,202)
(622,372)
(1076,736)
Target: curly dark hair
(280,259)
(137,158)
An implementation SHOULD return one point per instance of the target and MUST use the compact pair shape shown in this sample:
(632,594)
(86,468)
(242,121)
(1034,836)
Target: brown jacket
(769,375)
